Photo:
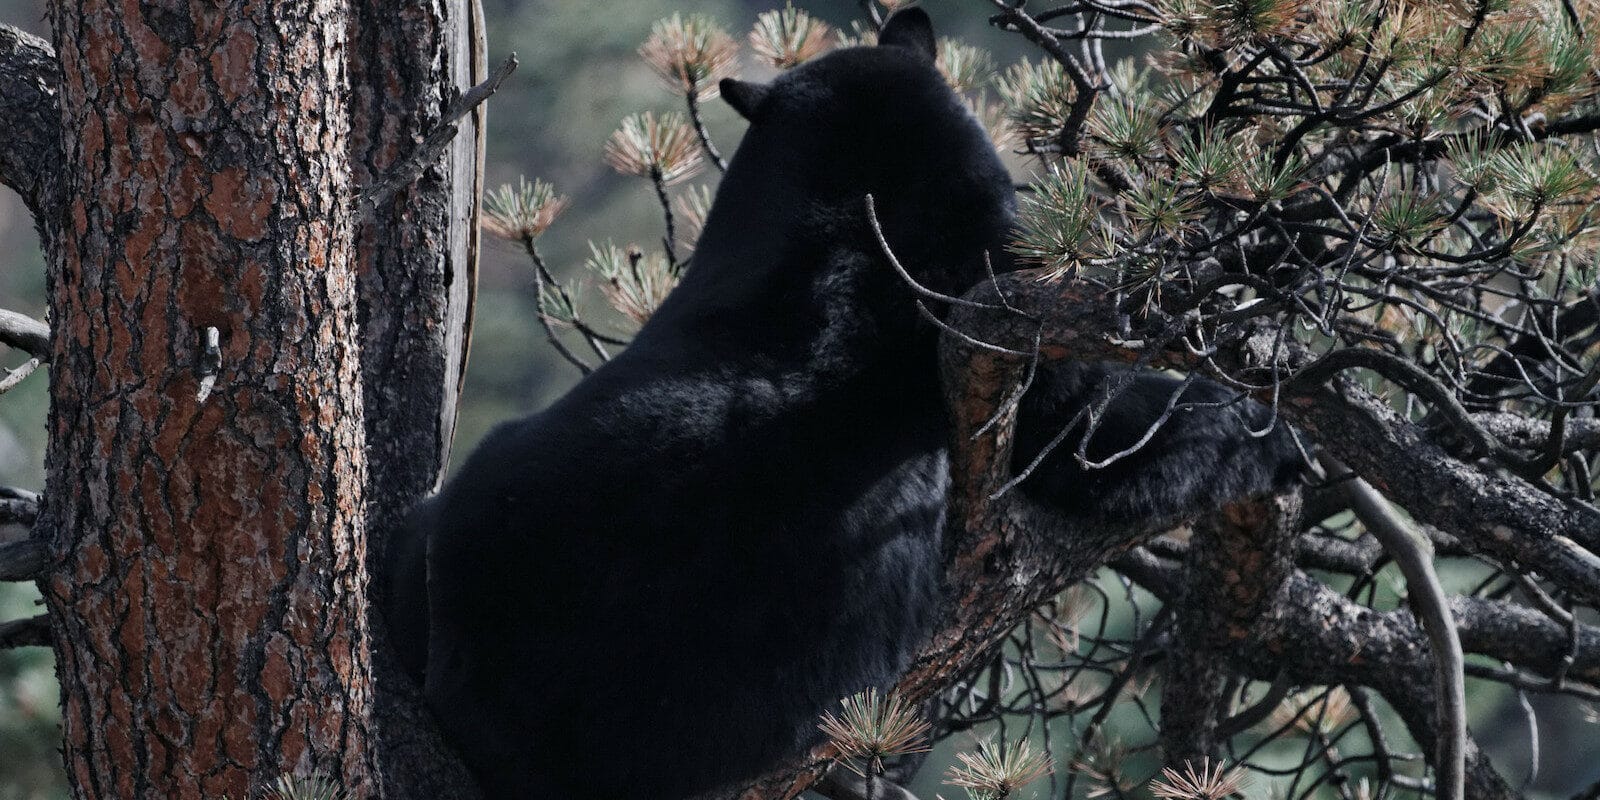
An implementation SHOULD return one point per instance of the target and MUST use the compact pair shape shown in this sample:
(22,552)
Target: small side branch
(18,510)
(31,632)
(693,99)
(18,375)
(408,170)
(25,333)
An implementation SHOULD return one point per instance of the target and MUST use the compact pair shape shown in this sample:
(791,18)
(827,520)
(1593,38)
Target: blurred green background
(579,76)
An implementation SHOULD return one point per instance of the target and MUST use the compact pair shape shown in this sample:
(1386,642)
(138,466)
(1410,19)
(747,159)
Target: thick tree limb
(1499,515)
(417,256)
(1236,562)
(1317,635)
(1519,635)
(1491,512)
(30,139)
(1314,635)
(1502,630)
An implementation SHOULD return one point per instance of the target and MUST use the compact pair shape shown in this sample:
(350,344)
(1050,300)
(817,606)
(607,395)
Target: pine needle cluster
(659,147)
(871,727)
(788,37)
(633,282)
(310,787)
(691,54)
(521,213)
(1207,782)
(996,771)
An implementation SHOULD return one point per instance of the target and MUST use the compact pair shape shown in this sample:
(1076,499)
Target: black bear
(654,587)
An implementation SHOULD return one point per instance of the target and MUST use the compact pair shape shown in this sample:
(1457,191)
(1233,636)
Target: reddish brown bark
(207,600)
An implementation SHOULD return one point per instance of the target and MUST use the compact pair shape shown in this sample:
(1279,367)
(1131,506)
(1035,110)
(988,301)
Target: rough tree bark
(207,597)
(416,258)
(207,117)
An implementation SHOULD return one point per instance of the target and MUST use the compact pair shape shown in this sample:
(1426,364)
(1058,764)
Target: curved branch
(1413,554)
(25,333)
(1315,635)
(1404,374)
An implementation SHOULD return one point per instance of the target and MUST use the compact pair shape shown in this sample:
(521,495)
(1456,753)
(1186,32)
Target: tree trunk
(417,262)
(208,592)
(417,255)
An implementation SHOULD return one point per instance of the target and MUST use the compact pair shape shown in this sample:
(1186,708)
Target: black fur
(1202,457)
(654,587)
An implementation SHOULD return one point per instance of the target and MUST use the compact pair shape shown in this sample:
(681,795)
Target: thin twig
(883,246)
(693,98)
(543,279)
(659,181)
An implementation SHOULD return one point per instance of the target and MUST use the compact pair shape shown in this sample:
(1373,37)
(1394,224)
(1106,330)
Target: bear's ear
(912,30)
(745,97)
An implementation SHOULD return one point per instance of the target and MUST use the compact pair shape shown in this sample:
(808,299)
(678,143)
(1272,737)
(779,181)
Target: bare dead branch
(24,332)
(410,168)
(13,377)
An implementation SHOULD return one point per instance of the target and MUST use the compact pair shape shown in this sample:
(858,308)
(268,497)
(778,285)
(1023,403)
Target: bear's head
(865,120)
